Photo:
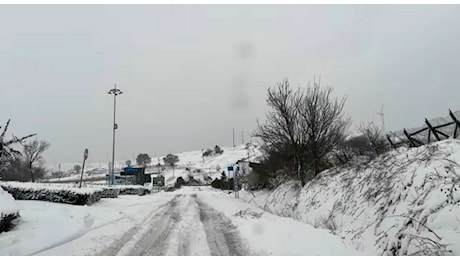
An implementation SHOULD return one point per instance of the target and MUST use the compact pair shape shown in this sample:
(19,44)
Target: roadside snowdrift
(406,202)
(8,210)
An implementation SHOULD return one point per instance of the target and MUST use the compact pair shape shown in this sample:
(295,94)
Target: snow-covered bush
(110,193)
(8,211)
(52,193)
(130,189)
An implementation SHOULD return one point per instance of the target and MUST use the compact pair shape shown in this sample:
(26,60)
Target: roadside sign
(85,154)
(230,168)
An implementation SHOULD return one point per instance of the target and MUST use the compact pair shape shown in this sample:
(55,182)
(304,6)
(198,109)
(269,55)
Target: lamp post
(115,93)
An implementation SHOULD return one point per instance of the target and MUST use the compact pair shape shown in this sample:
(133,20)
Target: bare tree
(77,168)
(281,130)
(128,163)
(171,160)
(33,156)
(323,124)
(375,136)
(304,125)
(143,159)
(7,152)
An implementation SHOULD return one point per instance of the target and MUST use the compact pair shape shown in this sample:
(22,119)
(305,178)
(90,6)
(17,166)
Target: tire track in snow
(184,226)
(223,237)
(117,247)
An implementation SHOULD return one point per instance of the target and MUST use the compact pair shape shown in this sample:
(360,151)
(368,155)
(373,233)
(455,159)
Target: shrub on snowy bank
(404,202)
(110,193)
(52,193)
(8,211)
(129,190)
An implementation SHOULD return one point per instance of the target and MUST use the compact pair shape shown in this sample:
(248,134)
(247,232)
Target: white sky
(192,73)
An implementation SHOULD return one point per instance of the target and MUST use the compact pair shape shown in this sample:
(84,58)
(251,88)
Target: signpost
(235,180)
(229,169)
(85,156)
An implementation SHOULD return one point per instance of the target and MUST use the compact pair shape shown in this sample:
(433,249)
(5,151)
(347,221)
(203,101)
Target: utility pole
(383,120)
(202,155)
(242,137)
(115,93)
(233,137)
(59,172)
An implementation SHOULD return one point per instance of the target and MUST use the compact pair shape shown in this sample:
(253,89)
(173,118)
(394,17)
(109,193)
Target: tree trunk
(32,175)
(298,164)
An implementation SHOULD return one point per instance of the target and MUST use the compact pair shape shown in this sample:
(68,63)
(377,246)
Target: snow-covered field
(405,202)
(189,221)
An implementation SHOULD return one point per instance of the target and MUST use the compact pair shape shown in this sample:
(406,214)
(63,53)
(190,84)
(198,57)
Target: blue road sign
(230,168)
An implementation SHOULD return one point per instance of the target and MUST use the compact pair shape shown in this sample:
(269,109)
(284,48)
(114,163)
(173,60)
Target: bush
(218,150)
(223,184)
(110,193)
(68,196)
(131,190)
(7,221)
(216,183)
(208,152)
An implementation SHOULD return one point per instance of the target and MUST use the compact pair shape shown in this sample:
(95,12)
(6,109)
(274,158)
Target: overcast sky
(192,73)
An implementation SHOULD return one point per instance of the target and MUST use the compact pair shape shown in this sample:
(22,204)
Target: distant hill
(192,160)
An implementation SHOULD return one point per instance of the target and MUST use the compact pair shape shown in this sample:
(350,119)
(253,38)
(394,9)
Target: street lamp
(115,93)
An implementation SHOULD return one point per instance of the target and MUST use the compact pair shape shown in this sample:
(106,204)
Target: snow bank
(268,234)
(405,202)
(8,210)
(7,203)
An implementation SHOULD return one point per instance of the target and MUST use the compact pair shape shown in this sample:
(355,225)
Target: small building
(243,166)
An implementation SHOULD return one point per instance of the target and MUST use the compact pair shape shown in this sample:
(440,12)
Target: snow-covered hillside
(199,167)
(406,202)
(212,166)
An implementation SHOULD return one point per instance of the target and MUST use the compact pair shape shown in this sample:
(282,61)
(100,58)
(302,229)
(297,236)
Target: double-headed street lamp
(115,93)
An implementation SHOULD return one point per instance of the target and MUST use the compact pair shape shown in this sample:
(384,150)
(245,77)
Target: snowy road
(189,221)
(184,226)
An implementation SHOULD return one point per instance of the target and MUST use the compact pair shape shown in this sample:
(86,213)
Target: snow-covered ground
(59,229)
(189,221)
(404,202)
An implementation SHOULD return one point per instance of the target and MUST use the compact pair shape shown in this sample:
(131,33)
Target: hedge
(60,195)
